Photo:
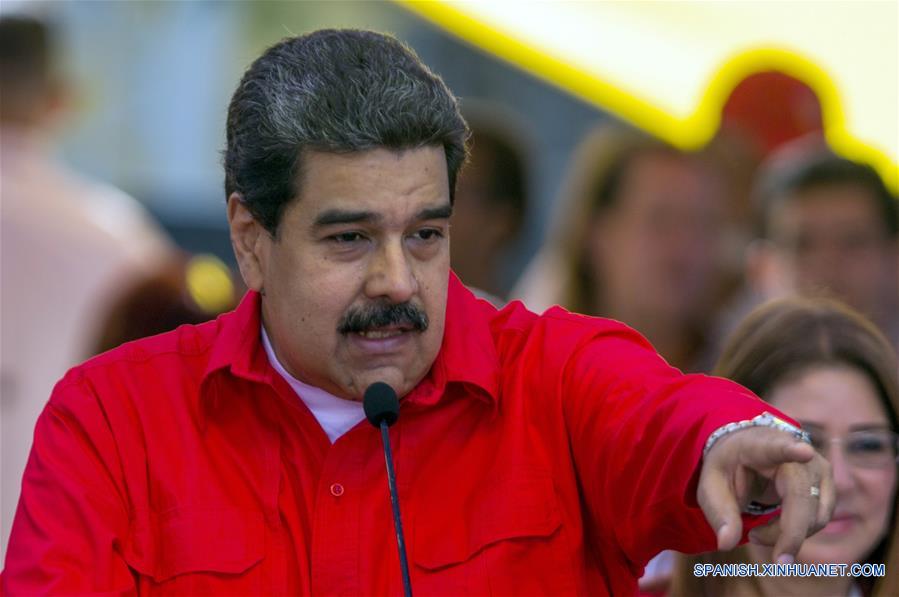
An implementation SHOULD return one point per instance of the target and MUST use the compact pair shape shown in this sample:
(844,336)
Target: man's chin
(395,376)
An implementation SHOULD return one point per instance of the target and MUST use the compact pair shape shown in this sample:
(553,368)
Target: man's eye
(428,234)
(346,237)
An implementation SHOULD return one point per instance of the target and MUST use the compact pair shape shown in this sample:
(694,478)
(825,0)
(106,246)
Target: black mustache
(379,315)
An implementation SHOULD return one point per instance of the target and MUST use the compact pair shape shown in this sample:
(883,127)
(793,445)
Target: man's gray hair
(337,91)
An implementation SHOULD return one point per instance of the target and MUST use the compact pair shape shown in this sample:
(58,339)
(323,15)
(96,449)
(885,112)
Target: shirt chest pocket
(198,550)
(504,538)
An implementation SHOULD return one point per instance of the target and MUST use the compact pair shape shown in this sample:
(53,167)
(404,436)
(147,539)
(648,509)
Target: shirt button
(336,489)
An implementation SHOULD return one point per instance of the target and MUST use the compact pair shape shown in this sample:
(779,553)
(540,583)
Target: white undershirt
(335,415)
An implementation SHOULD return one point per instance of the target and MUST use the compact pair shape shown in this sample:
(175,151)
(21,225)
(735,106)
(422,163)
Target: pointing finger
(827,498)
(798,512)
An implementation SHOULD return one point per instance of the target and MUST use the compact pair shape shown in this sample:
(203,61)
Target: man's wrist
(765,419)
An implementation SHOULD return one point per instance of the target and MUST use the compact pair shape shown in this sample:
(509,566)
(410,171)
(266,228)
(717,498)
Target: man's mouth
(382,333)
(387,341)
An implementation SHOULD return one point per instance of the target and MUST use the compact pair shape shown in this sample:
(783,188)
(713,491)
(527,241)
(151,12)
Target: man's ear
(250,241)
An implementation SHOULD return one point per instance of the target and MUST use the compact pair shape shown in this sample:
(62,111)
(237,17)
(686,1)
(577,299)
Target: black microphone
(382,409)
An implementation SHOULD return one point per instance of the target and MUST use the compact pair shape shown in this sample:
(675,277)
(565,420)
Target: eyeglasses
(875,448)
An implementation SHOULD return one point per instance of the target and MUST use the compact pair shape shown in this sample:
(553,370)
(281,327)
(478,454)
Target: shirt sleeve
(637,428)
(72,518)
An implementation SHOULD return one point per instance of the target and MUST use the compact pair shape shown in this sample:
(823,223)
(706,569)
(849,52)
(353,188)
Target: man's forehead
(335,215)
(372,186)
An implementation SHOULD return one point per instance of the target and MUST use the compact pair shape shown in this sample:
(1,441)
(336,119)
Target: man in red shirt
(534,454)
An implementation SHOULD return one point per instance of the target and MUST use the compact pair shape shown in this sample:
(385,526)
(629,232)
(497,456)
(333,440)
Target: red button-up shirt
(549,454)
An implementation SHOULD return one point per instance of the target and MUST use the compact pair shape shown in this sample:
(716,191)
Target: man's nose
(390,274)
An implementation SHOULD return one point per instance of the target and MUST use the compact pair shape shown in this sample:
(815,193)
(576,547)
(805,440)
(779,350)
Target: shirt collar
(238,347)
(467,355)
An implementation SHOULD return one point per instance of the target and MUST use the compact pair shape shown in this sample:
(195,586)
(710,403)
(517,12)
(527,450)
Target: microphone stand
(382,408)
(395,503)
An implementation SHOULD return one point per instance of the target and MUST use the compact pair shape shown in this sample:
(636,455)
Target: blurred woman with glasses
(832,370)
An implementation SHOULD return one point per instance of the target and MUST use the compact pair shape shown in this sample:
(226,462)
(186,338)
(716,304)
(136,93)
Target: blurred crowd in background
(559,204)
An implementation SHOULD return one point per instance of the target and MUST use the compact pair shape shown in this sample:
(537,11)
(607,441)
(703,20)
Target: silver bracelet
(765,419)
